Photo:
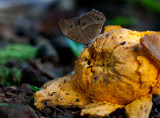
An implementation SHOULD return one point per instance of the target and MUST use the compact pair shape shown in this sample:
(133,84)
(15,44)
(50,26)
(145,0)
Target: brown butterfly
(84,29)
(152,46)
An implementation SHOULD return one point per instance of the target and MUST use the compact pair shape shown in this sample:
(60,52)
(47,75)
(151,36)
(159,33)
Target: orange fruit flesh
(115,68)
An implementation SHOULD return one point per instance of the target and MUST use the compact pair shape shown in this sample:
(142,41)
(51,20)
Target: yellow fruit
(115,68)
(111,28)
(113,72)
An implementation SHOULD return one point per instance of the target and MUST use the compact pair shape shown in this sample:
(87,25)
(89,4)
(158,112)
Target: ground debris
(16,111)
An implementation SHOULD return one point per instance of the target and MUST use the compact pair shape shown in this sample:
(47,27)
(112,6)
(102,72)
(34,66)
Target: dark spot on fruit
(89,62)
(77,100)
(124,42)
(91,70)
(135,48)
(106,80)
(67,93)
(95,78)
(112,37)
(107,35)
(51,94)
(64,81)
(45,102)
(92,56)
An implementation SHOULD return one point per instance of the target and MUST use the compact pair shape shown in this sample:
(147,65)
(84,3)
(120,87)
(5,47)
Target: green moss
(16,75)
(152,5)
(124,21)
(17,52)
(9,76)
(6,104)
(4,75)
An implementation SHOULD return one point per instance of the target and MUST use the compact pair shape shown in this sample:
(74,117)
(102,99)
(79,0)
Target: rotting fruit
(115,72)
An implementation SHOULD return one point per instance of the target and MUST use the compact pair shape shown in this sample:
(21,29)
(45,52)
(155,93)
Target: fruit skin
(139,108)
(115,68)
(111,28)
(60,93)
(112,73)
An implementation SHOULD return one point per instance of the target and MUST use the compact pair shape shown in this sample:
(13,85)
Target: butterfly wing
(84,29)
(91,25)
